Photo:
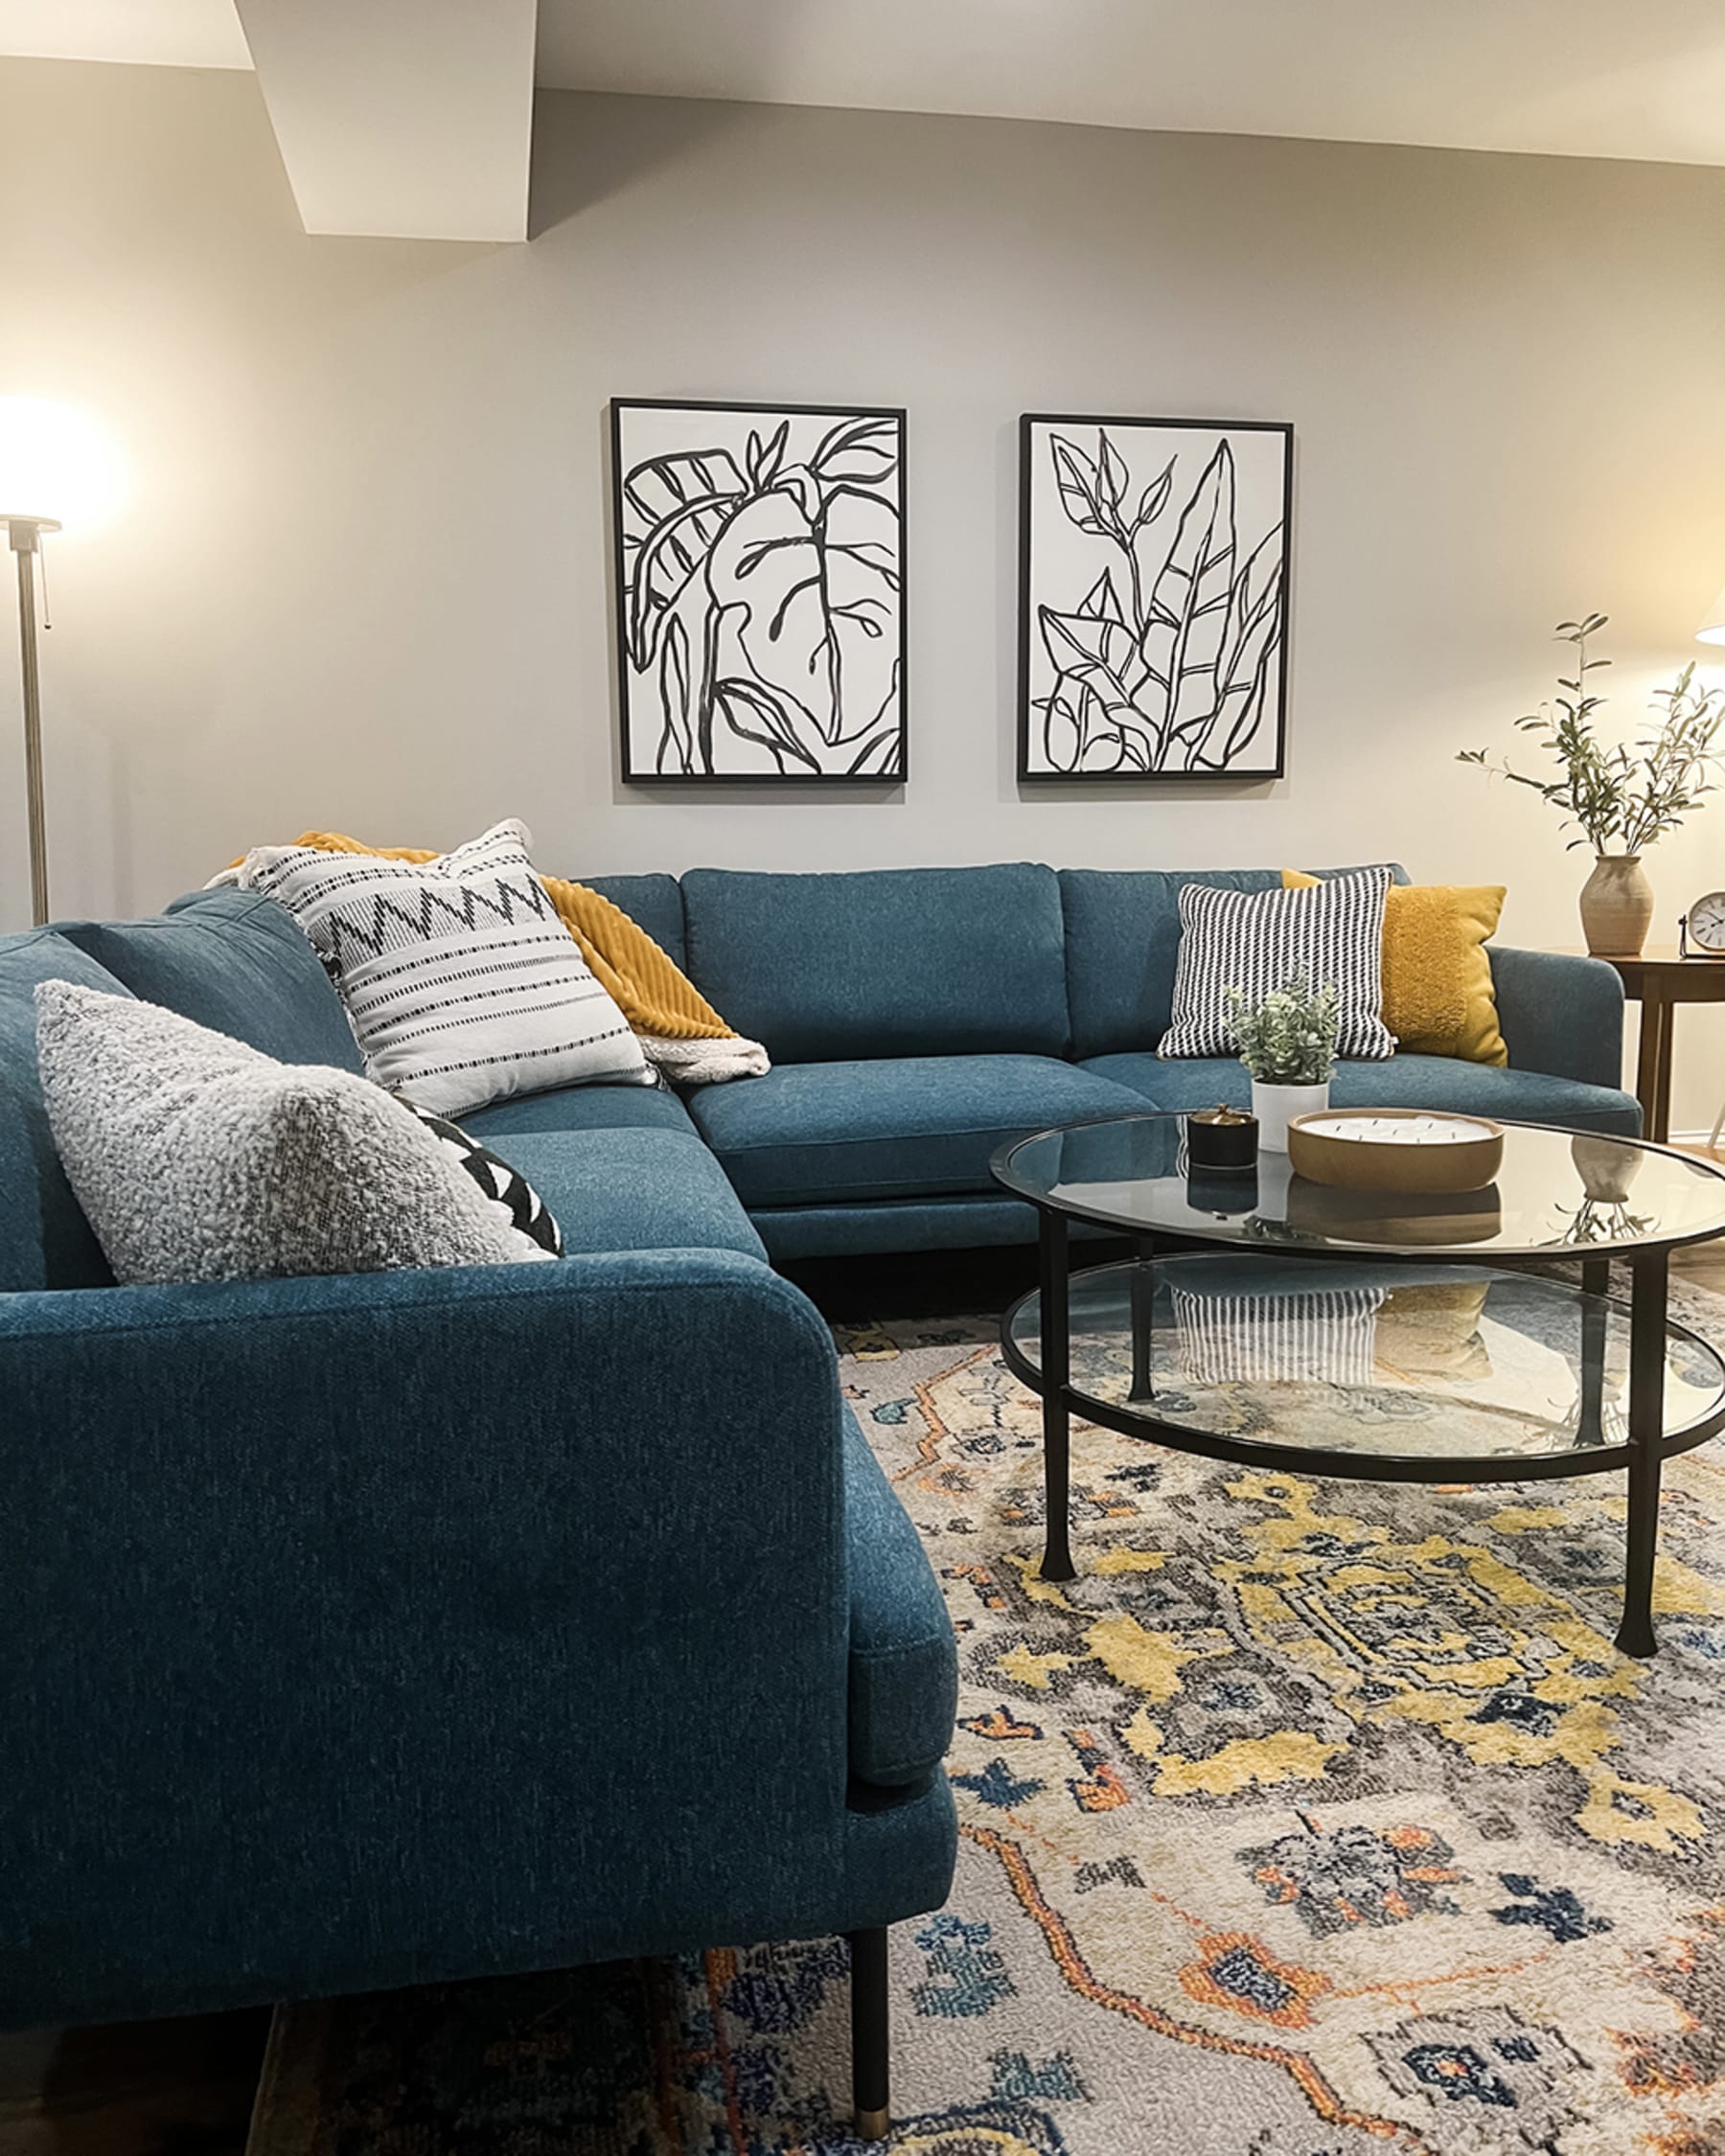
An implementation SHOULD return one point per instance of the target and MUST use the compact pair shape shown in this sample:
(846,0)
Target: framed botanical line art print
(1153,598)
(759,557)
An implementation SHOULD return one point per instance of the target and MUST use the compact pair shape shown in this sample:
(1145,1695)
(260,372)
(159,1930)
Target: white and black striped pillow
(459,977)
(512,1199)
(1256,941)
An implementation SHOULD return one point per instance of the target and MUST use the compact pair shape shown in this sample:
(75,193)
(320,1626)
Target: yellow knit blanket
(679,1028)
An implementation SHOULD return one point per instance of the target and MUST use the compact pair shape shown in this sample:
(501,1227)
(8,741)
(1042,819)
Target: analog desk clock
(1701,930)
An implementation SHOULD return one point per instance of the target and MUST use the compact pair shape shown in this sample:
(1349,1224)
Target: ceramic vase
(1606,1169)
(1275,1105)
(1617,906)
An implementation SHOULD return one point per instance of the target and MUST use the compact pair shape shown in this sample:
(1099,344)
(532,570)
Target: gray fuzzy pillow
(196,1157)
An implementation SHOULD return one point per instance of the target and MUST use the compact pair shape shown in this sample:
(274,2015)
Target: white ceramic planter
(1275,1105)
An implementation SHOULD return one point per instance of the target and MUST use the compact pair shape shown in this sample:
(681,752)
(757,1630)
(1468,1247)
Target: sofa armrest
(1560,1014)
(377,1630)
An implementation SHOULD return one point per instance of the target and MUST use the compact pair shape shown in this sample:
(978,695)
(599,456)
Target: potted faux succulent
(1620,799)
(1288,1043)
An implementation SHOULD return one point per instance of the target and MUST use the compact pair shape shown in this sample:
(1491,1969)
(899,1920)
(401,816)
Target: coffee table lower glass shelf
(1439,1373)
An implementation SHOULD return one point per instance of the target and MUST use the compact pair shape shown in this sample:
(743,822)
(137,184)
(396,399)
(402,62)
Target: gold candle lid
(1221,1115)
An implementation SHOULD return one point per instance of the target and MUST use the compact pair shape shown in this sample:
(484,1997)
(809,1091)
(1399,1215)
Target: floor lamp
(26,536)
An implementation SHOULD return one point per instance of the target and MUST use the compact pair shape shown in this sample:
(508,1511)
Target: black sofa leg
(869,2040)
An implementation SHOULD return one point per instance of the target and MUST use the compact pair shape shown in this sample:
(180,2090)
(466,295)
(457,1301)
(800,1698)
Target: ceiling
(1641,79)
(409,119)
(411,116)
(154,33)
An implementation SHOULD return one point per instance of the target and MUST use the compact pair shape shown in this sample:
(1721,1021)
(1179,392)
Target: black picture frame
(864,469)
(1038,729)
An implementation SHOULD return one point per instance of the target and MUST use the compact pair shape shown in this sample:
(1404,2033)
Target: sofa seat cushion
(630,1190)
(236,962)
(906,1127)
(904,1666)
(1516,1096)
(883,962)
(581,1107)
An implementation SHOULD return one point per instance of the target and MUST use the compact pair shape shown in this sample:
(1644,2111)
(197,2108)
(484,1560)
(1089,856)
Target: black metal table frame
(1644,1454)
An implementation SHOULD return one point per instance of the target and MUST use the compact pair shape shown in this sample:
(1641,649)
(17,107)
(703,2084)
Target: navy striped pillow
(1256,941)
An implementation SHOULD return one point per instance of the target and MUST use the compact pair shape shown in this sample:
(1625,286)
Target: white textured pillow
(196,1157)
(1255,941)
(461,982)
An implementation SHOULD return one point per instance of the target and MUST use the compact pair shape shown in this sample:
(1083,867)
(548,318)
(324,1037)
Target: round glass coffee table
(1374,1334)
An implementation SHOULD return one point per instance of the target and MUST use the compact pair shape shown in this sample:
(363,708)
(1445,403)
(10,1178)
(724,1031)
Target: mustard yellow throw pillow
(1437,999)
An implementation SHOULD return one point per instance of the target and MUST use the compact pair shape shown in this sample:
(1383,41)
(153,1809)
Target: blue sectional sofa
(403,1627)
(380,1630)
(918,1017)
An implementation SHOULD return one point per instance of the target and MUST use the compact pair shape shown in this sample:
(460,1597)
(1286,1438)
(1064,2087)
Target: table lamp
(51,458)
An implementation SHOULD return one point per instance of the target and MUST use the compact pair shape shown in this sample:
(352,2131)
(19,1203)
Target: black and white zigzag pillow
(1256,941)
(512,1196)
(460,980)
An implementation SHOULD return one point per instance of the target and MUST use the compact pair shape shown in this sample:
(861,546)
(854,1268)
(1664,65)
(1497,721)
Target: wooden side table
(1659,980)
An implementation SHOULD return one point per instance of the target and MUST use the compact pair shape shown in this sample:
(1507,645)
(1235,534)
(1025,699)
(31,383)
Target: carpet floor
(1316,1818)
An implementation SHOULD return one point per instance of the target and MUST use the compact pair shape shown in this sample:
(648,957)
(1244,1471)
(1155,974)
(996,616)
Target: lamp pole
(25,534)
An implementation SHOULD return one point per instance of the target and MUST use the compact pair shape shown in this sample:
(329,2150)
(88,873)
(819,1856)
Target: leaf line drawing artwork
(1153,598)
(760,572)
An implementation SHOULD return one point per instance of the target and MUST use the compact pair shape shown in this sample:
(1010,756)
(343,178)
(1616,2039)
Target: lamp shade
(1712,623)
(57,462)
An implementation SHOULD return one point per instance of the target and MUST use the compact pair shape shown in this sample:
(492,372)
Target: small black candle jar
(1222,1137)
(1229,1193)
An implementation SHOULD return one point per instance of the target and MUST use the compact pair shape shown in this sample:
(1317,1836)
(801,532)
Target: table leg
(1056,1370)
(1653,1064)
(1596,1280)
(1143,1320)
(1646,1428)
(1668,1056)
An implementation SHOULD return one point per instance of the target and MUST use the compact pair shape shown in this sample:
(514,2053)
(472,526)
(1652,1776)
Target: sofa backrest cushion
(652,903)
(884,962)
(45,1240)
(1122,938)
(236,962)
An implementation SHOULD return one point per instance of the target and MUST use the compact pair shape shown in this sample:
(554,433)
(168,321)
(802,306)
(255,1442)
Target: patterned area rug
(1315,1818)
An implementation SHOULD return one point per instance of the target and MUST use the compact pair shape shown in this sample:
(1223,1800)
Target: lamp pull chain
(42,559)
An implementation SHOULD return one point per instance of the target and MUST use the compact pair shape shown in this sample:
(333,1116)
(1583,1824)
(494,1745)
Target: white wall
(362,582)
